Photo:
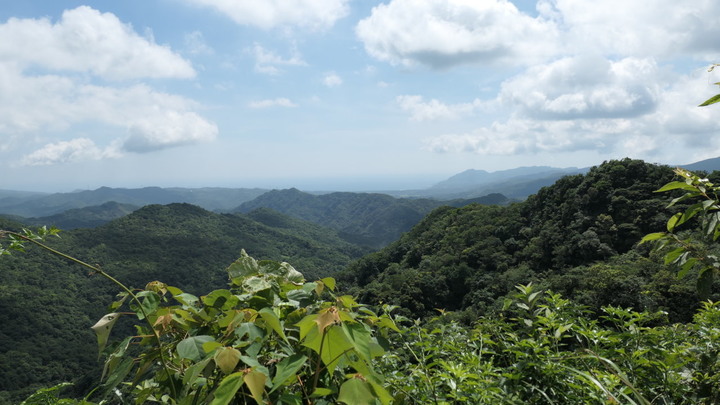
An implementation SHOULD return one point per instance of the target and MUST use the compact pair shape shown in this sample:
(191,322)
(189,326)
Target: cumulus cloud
(585,87)
(665,28)
(268,62)
(444,33)
(421,110)
(277,102)
(79,149)
(39,100)
(311,14)
(168,129)
(675,122)
(331,80)
(85,40)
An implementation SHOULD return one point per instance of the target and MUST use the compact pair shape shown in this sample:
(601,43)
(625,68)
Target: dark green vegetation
(362,218)
(47,304)
(579,344)
(578,237)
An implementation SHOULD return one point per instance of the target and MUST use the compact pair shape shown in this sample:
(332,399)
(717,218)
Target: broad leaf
(287,368)
(191,348)
(227,389)
(255,380)
(355,391)
(227,358)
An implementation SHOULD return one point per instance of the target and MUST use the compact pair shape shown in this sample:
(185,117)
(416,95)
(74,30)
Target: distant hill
(87,217)
(516,183)
(708,165)
(213,199)
(364,218)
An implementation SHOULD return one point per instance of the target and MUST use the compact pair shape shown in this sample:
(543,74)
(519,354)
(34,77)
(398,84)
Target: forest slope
(576,236)
(47,305)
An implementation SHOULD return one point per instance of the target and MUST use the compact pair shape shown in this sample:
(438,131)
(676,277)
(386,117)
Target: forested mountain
(213,199)
(87,217)
(47,304)
(576,237)
(363,218)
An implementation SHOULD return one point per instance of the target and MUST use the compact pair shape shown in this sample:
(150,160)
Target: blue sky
(346,94)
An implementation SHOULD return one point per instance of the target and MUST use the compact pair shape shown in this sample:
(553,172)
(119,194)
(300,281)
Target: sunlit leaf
(227,358)
(255,380)
(712,100)
(103,327)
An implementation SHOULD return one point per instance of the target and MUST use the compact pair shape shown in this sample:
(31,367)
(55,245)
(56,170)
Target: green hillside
(47,305)
(362,218)
(578,237)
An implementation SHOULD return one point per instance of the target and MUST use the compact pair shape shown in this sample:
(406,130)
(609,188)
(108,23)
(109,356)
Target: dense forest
(549,300)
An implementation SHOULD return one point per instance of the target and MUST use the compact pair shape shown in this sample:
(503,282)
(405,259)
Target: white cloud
(674,123)
(312,14)
(421,110)
(662,28)
(444,33)
(331,80)
(37,107)
(32,105)
(267,61)
(75,150)
(168,129)
(277,102)
(85,40)
(585,87)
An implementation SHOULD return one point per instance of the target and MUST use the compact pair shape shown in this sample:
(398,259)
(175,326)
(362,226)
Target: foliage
(692,250)
(47,305)
(546,350)
(468,259)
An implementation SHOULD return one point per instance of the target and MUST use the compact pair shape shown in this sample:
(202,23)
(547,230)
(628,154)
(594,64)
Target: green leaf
(355,391)
(674,185)
(149,302)
(712,100)
(227,389)
(287,369)
(222,299)
(244,266)
(272,320)
(329,283)
(673,221)
(652,236)
(671,256)
(191,348)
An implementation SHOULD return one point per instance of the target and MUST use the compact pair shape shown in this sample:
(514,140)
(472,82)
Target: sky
(347,94)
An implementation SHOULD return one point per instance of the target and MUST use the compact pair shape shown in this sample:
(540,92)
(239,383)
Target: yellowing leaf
(255,380)
(227,358)
(327,317)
